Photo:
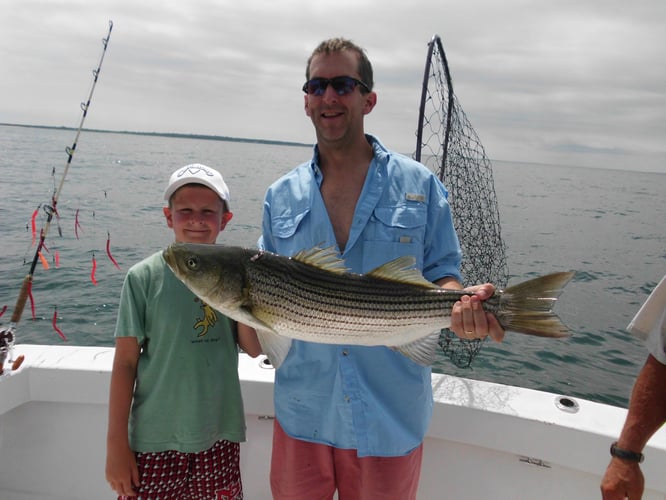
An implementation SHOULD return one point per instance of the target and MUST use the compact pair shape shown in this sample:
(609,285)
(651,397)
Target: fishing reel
(6,345)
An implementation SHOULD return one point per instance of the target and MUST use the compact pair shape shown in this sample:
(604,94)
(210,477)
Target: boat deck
(486,440)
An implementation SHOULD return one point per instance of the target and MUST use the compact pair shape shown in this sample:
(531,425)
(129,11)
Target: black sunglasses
(342,85)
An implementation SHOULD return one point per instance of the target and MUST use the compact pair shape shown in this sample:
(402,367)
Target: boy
(175,410)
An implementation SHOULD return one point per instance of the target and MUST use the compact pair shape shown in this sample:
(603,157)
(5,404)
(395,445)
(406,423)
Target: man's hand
(469,320)
(622,480)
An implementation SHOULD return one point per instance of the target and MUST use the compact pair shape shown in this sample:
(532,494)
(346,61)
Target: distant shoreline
(170,135)
(495,162)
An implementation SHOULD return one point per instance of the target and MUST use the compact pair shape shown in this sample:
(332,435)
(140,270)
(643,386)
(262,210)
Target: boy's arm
(121,470)
(248,341)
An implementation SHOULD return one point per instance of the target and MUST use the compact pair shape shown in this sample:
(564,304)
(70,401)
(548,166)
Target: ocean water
(608,225)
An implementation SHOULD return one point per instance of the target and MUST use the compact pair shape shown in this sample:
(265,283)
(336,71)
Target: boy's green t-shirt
(187,394)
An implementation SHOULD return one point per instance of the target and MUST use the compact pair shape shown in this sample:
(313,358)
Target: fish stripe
(301,298)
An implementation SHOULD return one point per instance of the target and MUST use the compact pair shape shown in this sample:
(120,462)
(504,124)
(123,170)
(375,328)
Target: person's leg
(300,470)
(377,478)
(215,473)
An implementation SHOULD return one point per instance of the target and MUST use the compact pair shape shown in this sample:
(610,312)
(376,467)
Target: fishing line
(93,267)
(7,335)
(55,255)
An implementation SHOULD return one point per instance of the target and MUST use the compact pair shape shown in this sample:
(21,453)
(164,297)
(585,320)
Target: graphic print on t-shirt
(209,319)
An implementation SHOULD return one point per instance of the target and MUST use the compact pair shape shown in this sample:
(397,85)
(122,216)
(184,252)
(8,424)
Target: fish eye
(192,263)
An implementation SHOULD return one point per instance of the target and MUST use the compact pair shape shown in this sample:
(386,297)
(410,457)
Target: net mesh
(449,146)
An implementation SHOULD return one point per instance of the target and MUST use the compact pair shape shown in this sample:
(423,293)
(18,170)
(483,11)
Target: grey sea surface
(607,225)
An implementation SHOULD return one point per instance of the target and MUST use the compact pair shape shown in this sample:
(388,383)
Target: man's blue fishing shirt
(372,399)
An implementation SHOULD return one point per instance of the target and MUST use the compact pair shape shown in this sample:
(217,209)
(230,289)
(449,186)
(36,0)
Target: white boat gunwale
(484,437)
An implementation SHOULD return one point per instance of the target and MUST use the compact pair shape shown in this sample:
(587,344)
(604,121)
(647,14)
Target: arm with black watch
(630,456)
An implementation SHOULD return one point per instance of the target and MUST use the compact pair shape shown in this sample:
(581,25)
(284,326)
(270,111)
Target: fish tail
(527,307)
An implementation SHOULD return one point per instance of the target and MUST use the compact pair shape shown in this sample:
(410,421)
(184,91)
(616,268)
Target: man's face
(337,118)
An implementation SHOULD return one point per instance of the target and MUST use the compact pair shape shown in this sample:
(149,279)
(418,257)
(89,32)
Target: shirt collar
(379,151)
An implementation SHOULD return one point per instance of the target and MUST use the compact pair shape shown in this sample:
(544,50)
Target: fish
(313,296)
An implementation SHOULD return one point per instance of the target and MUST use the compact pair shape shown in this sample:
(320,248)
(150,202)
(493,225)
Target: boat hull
(486,440)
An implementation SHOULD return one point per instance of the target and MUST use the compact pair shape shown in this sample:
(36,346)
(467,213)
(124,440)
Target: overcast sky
(573,82)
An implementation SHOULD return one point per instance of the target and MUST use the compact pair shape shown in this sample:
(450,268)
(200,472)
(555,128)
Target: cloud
(532,76)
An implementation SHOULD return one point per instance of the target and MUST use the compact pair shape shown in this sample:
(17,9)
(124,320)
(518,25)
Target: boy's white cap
(198,174)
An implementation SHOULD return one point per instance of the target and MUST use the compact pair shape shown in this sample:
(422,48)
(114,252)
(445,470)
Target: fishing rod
(7,334)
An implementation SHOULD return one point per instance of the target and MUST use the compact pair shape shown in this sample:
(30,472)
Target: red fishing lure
(77,226)
(92,272)
(55,326)
(33,221)
(108,250)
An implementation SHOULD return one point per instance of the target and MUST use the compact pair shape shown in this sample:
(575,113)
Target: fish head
(214,273)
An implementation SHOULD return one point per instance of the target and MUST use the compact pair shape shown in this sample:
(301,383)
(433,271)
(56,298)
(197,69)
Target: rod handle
(22,298)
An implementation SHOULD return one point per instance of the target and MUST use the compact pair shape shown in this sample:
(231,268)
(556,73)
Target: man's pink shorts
(301,470)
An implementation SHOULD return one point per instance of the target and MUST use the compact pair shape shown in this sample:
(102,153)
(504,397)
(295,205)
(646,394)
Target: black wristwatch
(631,456)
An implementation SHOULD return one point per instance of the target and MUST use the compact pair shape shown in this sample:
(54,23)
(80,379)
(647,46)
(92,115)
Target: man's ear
(370,102)
(305,105)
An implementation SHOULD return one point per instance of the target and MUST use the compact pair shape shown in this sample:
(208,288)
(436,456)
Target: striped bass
(312,296)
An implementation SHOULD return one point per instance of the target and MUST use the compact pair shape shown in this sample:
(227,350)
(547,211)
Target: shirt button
(345,353)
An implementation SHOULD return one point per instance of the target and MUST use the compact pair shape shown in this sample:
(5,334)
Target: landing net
(449,146)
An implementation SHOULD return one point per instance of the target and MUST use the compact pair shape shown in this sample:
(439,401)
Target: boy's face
(196,214)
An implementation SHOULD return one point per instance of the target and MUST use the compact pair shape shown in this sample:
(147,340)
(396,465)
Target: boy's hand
(122,473)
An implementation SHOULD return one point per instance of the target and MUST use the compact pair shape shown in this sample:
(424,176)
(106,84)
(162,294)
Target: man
(647,406)
(353,418)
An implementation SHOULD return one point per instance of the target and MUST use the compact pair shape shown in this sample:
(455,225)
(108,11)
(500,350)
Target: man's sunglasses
(342,85)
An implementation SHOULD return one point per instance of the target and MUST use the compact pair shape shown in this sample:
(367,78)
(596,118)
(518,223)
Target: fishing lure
(77,225)
(33,221)
(108,250)
(45,263)
(92,272)
(55,326)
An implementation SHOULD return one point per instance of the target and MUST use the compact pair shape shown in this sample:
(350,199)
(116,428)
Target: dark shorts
(213,474)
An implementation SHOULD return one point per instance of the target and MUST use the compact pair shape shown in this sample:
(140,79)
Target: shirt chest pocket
(285,227)
(398,224)
(394,232)
(297,231)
